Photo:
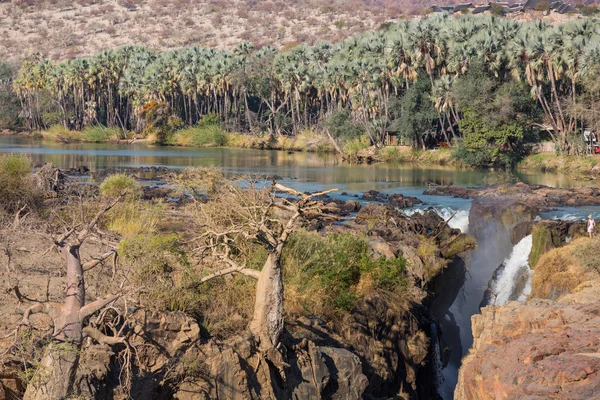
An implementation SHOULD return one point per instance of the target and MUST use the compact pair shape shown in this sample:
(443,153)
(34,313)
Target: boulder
(396,200)
(541,349)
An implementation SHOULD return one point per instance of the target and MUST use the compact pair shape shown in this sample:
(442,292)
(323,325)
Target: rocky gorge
(392,342)
(539,340)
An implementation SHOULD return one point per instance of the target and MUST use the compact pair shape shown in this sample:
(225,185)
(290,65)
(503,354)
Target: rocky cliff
(541,349)
(549,346)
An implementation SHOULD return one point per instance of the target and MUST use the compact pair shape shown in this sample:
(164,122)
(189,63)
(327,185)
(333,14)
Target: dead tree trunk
(254,219)
(267,323)
(56,374)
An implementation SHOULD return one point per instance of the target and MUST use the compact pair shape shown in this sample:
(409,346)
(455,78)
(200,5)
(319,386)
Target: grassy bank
(563,164)
(393,154)
(196,136)
(91,134)
(312,141)
(214,136)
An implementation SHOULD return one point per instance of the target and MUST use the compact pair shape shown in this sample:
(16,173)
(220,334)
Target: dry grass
(564,164)
(65,29)
(402,154)
(134,218)
(561,270)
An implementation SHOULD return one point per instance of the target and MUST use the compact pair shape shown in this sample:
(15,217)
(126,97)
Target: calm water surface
(314,170)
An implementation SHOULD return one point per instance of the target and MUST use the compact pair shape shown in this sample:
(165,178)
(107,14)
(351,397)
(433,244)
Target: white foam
(515,266)
(460,220)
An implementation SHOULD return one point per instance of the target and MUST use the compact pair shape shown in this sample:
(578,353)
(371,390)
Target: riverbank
(202,137)
(578,167)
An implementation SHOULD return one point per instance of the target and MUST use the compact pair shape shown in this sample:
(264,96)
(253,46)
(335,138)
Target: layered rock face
(539,197)
(536,350)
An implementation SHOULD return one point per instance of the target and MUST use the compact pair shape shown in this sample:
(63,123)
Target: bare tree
(56,374)
(241,210)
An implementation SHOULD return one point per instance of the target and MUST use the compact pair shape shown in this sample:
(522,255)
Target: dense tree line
(407,78)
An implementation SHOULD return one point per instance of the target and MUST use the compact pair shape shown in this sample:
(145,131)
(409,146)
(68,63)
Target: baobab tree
(56,374)
(244,210)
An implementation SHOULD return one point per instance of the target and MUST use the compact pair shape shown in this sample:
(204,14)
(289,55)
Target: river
(312,172)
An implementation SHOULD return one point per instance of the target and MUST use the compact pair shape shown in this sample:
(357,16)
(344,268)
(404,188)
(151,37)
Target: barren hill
(71,28)
(62,29)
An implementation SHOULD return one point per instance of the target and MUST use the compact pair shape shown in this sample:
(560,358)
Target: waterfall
(460,220)
(514,281)
(436,357)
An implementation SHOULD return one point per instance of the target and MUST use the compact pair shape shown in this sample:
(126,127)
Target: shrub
(17,189)
(341,126)
(357,144)
(323,275)
(132,218)
(59,133)
(160,267)
(489,142)
(99,134)
(118,184)
(160,121)
(94,134)
(200,136)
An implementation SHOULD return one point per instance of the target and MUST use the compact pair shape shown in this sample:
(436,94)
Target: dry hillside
(63,29)
(71,28)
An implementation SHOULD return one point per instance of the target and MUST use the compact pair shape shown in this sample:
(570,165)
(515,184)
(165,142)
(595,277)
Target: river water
(312,172)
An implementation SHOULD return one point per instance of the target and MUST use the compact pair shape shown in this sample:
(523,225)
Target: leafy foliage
(340,125)
(160,121)
(326,272)
(421,64)
(17,188)
(417,115)
(120,184)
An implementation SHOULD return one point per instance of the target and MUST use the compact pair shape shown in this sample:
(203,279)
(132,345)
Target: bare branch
(83,234)
(61,240)
(293,192)
(99,337)
(97,305)
(235,268)
(39,308)
(99,260)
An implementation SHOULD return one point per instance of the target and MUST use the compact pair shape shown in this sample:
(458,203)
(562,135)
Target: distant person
(590,226)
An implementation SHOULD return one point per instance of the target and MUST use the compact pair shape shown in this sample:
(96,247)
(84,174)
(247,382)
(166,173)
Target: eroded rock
(540,349)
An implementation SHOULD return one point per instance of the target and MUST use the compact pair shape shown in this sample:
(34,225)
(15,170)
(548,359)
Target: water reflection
(324,169)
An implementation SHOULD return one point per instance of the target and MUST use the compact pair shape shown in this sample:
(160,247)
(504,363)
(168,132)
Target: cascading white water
(436,357)
(516,267)
(460,220)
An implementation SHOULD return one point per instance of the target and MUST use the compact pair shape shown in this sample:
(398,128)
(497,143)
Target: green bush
(17,189)
(325,272)
(489,143)
(341,126)
(118,184)
(200,136)
(210,119)
(357,144)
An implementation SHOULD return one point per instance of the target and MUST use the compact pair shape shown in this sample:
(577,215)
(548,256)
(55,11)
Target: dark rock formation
(396,199)
(535,197)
